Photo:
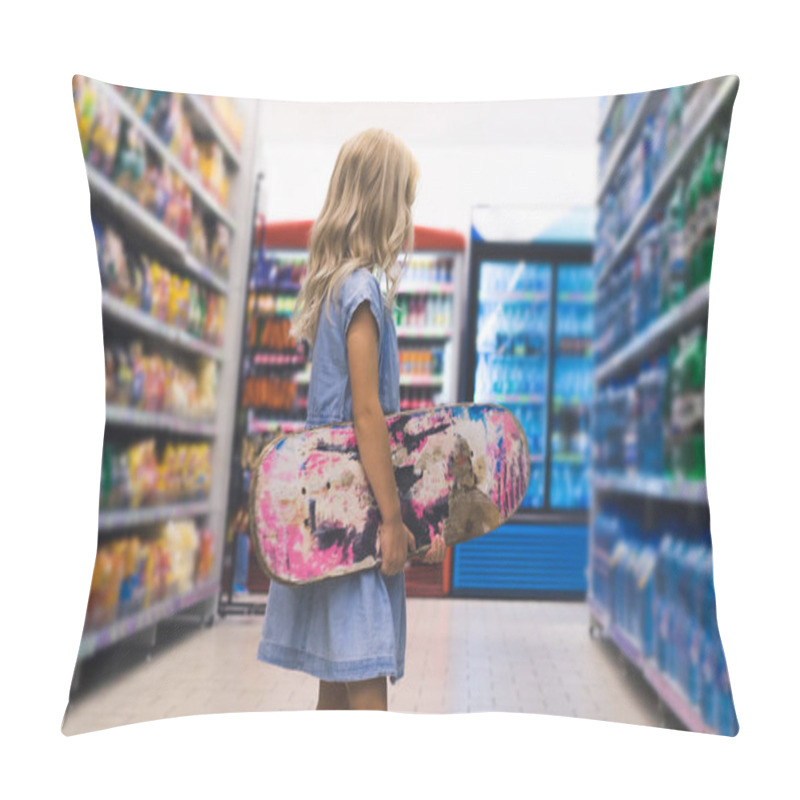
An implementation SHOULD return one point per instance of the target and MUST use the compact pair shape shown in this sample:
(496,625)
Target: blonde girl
(350,632)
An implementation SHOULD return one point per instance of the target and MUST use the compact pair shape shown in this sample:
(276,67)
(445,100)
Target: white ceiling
(523,123)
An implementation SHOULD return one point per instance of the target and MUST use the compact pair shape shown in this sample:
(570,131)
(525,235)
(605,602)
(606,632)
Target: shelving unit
(207,119)
(657,488)
(625,141)
(94,641)
(650,498)
(150,420)
(120,312)
(167,157)
(664,330)
(141,231)
(113,521)
(723,97)
(410,332)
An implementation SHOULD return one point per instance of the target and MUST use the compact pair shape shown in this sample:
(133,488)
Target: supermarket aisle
(463,656)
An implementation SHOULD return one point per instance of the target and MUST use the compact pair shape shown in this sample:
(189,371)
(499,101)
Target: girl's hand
(437,551)
(396,540)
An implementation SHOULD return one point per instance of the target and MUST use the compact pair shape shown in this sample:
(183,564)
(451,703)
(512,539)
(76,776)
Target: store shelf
(421,380)
(278,359)
(571,402)
(726,92)
(570,458)
(139,418)
(274,426)
(426,288)
(662,488)
(169,159)
(693,309)
(587,298)
(135,517)
(120,311)
(410,332)
(577,352)
(204,273)
(146,223)
(667,690)
(625,140)
(537,399)
(515,297)
(283,288)
(94,641)
(214,127)
(150,228)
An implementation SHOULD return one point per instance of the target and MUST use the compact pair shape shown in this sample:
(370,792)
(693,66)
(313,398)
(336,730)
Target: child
(350,631)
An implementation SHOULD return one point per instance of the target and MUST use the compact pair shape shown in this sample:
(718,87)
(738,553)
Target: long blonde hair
(365,222)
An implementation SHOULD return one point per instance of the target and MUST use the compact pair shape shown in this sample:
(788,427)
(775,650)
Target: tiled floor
(462,656)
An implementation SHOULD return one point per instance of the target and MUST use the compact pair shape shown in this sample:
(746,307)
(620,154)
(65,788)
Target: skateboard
(461,471)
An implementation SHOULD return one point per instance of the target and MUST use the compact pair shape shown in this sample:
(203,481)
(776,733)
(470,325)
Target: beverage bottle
(711,181)
(719,164)
(692,219)
(676,221)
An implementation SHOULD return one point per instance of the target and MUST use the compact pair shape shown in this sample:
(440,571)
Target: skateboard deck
(461,471)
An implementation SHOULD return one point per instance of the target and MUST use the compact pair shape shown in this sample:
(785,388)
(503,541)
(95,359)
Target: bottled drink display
(423,311)
(691,216)
(512,352)
(650,564)
(659,590)
(652,424)
(427,271)
(276,369)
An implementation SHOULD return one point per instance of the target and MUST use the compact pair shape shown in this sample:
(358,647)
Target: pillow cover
(588,323)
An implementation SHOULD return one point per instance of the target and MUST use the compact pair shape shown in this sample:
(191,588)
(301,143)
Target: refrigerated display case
(528,346)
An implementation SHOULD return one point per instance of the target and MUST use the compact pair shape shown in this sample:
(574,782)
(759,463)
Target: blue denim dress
(353,627)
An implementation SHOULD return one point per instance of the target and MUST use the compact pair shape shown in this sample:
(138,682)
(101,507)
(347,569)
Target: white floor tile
(462,656)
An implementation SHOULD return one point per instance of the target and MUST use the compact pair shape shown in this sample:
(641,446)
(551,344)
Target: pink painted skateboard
(461,471)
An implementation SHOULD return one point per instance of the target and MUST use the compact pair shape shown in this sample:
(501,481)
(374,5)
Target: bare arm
(372,437)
